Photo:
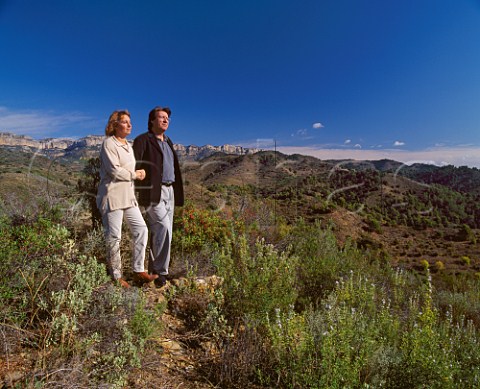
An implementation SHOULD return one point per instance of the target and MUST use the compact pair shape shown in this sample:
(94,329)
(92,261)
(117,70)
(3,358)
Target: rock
(12,376)
(171,346)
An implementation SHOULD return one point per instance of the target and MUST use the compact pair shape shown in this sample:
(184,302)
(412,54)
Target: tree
(88,187)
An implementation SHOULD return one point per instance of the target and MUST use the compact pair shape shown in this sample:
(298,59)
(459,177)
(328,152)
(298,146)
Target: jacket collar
(154,140)
(126,146)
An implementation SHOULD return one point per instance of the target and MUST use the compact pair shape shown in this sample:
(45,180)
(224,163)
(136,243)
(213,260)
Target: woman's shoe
(123,283)
(144,277)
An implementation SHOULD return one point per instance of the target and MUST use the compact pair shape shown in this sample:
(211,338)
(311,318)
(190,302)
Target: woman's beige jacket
(117,174)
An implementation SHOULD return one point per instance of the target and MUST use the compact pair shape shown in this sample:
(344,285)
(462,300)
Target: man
(161,189)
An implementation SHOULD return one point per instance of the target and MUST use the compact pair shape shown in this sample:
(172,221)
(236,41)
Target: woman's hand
(140,174)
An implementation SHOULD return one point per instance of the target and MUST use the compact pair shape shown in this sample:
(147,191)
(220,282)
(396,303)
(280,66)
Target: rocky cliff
(8,139)
(89,146)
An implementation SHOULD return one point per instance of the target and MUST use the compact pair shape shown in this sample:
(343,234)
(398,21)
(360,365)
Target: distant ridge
(89,146)
(462,179)
(380,165)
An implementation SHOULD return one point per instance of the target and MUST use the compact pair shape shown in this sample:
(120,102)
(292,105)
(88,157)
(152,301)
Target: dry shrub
(240,359)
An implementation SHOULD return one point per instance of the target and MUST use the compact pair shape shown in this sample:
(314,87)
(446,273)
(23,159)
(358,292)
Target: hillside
(407,220)
(372,202)
(461,179)
(25,174)
(280,265)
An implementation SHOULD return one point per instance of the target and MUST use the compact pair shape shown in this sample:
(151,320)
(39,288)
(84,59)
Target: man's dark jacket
(149,156)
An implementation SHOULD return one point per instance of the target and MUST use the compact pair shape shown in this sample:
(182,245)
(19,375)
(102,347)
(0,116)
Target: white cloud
(358,146)
(458,156)
(398,143)
(317,125)
(347,141)
(302,133)
(39,123)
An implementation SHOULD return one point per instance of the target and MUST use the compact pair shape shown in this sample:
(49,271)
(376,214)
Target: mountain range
(89,146)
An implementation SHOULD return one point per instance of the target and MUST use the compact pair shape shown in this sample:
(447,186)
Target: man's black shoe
(160,281)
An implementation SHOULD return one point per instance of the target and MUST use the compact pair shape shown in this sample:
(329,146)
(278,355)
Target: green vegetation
(197,227)
(285,304)
(59,306)
(365,324)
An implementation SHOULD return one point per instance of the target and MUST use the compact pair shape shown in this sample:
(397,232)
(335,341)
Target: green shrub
(196,228)
(426,349)
(257,280)
(289,343)
(439,265)
(466,260)
(32,264)
(465,233)
(425,265)
(366,334)
(68,304)
(462,304)
(373,224)
(199,302)
(322,261)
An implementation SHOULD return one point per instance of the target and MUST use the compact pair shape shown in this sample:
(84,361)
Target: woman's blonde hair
(112,121)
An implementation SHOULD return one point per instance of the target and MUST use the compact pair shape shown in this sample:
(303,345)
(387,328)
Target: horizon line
(467,155)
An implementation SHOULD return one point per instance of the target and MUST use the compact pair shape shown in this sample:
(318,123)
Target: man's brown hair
(153,114)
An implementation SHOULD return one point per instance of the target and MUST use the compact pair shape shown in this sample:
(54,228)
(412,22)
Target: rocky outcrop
(88,141)
(8,139)
(199,152)
(88,146)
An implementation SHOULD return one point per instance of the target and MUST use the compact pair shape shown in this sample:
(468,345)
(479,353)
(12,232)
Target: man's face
(161,122)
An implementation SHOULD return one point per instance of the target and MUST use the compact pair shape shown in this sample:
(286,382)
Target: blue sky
(341,78)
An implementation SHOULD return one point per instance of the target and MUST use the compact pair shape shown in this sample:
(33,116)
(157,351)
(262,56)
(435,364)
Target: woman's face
(123,127)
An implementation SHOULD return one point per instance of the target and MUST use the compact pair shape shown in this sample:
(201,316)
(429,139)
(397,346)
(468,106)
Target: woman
(116,198)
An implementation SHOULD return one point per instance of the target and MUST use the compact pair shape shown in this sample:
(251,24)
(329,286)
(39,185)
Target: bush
(322,262)
(196,228)
(365,334)
(256,281)
(373,326)
(439,265)
(373,224)
(31,267)
(59,303)
(466,260)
